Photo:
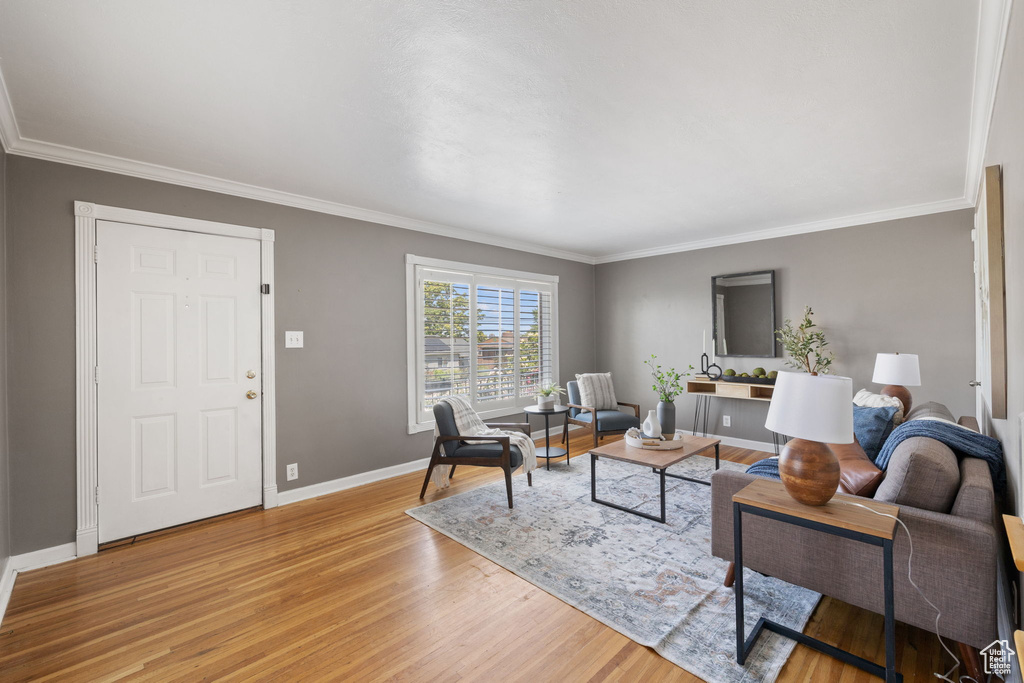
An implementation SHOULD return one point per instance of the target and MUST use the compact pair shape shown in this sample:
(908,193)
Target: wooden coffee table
(659,461)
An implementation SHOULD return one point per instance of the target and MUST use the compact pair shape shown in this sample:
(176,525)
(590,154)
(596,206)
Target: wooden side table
(768,498)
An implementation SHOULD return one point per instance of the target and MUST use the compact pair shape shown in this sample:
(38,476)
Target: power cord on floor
(910,578)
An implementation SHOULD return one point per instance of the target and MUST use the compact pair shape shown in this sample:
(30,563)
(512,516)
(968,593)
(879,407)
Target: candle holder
(710,369)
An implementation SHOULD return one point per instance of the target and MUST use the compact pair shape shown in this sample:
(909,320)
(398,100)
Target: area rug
(656,584)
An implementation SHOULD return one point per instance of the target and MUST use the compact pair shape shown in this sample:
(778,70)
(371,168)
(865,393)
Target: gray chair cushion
(573,389)
(490,450)
(922,473)
(445,418)
(611,420)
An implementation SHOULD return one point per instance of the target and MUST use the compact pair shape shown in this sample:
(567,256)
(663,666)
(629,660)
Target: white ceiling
(594,127)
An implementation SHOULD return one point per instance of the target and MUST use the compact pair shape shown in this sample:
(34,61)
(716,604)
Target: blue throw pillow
(872,427)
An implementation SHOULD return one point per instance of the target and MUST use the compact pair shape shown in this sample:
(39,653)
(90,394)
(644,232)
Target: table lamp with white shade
(816,410)
(898,371)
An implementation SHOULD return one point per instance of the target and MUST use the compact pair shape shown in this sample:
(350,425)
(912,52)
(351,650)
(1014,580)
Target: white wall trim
(799,229)
(993,27)
(74,156)
(43,558)
(459,267)
(766,446)
(7,577)
(335,485)
(86,416)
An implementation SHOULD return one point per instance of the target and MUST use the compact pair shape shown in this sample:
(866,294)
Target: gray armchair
(607,421)
(451,448)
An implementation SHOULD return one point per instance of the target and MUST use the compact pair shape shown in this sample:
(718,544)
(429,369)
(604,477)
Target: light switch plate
(293,340)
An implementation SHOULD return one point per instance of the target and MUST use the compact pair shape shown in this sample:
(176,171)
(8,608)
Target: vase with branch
(806,346)
(667,384)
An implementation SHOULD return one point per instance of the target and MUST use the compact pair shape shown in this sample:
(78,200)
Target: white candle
(704,338)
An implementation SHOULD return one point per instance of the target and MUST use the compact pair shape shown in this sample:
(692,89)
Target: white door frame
(86,404)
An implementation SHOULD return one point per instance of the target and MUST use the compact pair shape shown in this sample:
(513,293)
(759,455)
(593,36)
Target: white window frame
(484,275)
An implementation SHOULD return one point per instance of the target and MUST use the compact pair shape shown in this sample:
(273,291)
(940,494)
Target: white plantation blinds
(479,334)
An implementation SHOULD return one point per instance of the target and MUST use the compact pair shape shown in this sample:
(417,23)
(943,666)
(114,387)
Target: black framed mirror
(743,310)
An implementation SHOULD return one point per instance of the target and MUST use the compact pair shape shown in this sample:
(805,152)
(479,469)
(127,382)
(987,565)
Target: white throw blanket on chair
(469,424)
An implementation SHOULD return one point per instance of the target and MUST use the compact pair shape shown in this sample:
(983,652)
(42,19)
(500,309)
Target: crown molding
(103,162)
(993,27)
(798,229)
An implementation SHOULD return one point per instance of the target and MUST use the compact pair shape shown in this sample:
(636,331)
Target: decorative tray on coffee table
(656,444)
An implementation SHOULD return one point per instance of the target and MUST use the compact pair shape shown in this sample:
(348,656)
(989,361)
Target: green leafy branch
(667,383)
(806,346)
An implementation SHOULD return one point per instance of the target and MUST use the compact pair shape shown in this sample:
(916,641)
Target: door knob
(251,374)
(251,394)
(974,383)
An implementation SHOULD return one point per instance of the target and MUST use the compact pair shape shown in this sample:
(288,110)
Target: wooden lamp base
(902,393)
(809,471)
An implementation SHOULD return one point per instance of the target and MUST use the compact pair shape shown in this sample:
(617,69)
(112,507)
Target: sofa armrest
(954,563)
(970,422)
(976,498)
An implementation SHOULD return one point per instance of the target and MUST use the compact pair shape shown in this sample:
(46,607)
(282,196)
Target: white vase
(545,402)
(651,425)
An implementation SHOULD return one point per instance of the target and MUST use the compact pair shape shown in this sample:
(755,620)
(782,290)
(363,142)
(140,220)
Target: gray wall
(341,399)
(1006,147)
(903,285)
(5,518)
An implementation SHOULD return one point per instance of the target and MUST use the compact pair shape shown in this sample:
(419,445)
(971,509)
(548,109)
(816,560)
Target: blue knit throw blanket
(964,442)
(769,467)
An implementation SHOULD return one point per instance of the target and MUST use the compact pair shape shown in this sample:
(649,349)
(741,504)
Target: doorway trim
(86,401)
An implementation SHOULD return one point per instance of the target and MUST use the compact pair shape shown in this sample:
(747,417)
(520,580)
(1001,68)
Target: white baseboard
(12,566)
(44,558)
(7,576)
(335,485)
(766,446)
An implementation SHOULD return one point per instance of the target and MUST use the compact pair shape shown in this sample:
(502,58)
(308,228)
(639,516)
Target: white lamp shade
(812,407)
(897,368)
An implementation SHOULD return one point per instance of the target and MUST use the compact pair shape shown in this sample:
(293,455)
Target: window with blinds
(488,335)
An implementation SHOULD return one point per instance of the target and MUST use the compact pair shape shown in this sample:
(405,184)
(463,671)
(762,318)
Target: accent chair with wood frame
(452,448)
(608,421)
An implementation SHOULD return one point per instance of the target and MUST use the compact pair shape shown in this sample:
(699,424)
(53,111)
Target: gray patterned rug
(655,583)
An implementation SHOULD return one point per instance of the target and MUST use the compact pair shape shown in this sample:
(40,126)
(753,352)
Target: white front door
(178,349)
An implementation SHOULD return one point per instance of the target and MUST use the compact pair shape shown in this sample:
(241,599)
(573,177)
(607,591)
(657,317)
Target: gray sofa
(949,508)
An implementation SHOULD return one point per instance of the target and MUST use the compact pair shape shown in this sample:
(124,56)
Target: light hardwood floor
(349,587)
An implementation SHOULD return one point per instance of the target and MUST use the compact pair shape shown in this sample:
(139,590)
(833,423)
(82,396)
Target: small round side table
(548,452)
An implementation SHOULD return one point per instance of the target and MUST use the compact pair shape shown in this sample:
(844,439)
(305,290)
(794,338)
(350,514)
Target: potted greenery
(547,394)
(806,348)
(668,385)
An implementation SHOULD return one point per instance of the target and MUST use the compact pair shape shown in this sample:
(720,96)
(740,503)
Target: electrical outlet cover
(293,340)
(726,421)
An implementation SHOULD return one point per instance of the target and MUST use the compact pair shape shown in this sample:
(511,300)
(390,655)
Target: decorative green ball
(758,372)
(729,373)
(773,374)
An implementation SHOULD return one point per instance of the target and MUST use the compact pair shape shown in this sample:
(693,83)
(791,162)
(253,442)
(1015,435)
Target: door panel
(179,328)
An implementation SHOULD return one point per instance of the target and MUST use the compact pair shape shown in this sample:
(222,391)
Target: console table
(705,389)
